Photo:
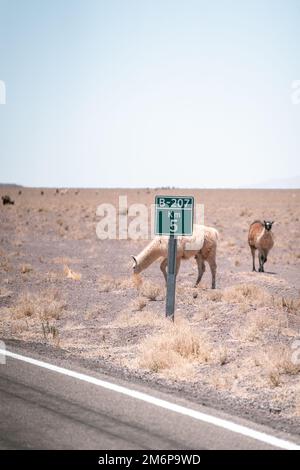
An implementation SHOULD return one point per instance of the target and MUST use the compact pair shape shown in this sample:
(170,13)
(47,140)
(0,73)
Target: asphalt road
(44,409)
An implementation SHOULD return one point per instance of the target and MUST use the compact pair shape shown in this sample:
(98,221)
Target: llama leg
(261,262)
(213,267)
(265,257)
(264,260)
(253,258)
(201,268)
(178,261)
(163,268)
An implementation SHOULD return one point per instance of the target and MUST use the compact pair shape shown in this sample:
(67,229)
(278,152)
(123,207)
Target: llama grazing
(202,245)
(260,237)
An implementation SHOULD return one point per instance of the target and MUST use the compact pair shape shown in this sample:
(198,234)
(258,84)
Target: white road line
(206,418)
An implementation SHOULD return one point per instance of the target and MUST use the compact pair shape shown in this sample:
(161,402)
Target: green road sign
(174,215)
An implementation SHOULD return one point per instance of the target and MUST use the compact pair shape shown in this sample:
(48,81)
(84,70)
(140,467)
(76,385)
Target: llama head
(268,225)
(135,266)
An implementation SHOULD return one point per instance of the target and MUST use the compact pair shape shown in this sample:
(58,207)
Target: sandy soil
(65,292)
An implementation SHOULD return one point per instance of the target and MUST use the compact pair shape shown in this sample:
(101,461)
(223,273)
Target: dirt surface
(65,293)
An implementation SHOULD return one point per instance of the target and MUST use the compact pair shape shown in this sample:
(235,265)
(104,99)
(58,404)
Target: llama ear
(134,260)
(273,222)
(264,222)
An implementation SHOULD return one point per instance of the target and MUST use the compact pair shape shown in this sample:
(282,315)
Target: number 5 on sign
(173,226)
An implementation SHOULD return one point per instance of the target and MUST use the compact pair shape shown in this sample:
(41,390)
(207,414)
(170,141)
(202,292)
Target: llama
(260,237)
(202,245)
(7,200)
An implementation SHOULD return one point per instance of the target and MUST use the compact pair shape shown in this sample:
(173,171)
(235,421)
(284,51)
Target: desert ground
(65,292)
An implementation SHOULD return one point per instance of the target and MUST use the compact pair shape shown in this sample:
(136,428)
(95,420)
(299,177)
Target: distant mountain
(12,185)
(282,183)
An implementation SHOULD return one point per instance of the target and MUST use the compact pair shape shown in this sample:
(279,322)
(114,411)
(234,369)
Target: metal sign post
(171,277)
(173,216)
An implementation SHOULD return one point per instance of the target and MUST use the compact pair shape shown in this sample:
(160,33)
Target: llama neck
(266,234)
(262,235)
(150,254)
(265,239)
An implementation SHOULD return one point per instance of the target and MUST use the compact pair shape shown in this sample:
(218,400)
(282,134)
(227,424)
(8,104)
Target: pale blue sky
(149,93)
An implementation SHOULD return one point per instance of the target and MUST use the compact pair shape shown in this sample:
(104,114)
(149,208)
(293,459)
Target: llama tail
(216,234)
(212,234)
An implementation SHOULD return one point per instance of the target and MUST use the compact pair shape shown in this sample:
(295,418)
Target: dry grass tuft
(178,343)
(277,361)
(71,274)
(222,355)
(215,295)
(4,292)
(107,283)
(290,304)
(94,313)
(26,306)
(274,377)
(46,305)
(139,304)
(220,382)
(4,264)
(126,283)
(150,290)
(26,268)
(19,326)
(247,293)
(50,332)
(257,324)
